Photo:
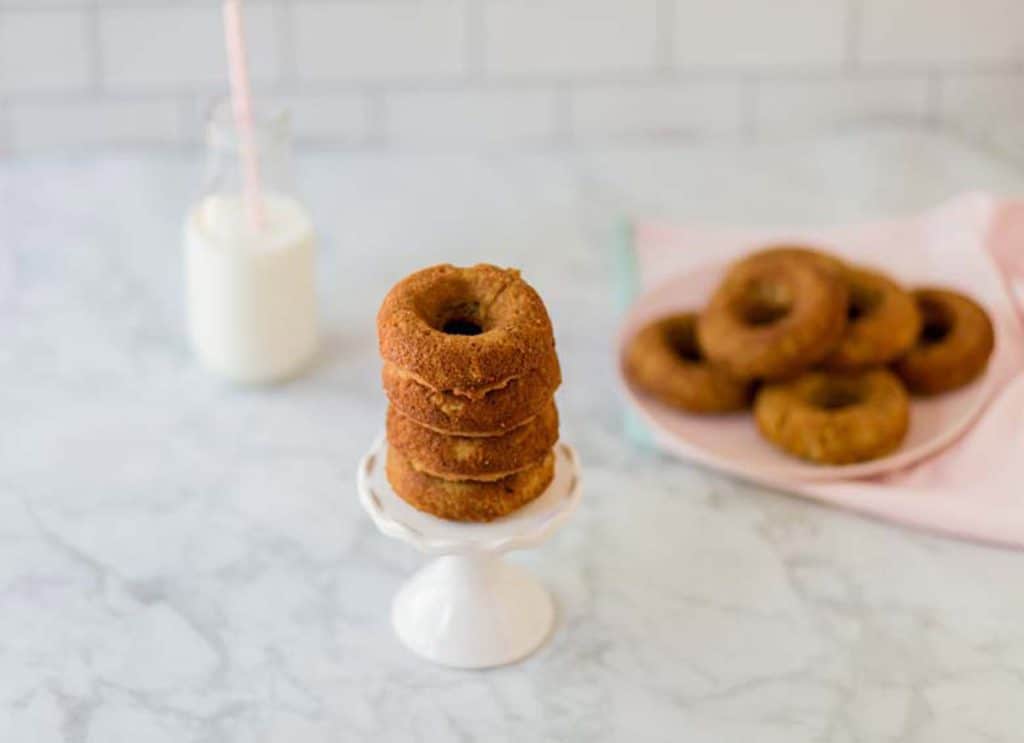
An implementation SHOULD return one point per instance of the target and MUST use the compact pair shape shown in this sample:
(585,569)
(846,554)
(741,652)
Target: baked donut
(665,361)
(882,322)
(835,418)
(479,411)
(463,328)
(774,315)
(474,457)
(467,500)
(821,259)
(954,345)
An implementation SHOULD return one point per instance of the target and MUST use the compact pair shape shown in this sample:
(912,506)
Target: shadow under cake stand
(468,608)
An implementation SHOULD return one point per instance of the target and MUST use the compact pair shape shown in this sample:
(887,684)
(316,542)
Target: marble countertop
(184,561)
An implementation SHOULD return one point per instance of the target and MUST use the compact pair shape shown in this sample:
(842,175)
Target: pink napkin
(973,488)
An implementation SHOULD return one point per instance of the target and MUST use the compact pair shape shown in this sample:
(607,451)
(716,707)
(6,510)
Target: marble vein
(184,561)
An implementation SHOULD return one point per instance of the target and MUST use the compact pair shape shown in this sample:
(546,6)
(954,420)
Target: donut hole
(764,303)
(933,333)
(461,318)
(682,339)
(461,326)
(836,395)
(936,322)
(863,302)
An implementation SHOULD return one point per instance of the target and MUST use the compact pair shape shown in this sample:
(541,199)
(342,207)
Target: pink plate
(732,444)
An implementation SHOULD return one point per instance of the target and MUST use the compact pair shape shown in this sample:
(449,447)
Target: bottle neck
(228,173)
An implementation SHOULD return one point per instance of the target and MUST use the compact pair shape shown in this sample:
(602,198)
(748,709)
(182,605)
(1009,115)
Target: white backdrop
(499,73)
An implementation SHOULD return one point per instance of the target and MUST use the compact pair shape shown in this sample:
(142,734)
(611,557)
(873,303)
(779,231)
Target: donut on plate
(474,457)
(835,418)
(467,500)
(821,259)
(665,361)
(479,411)
(463,328)
(774,315)
(954,344)
(883,322)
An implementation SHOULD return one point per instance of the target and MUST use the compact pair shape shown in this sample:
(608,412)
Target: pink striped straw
(241,104)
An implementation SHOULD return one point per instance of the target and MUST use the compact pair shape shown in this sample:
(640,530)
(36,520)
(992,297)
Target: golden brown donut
(835,418)
(953,347)
(665,361)
(818,257)
(475,457)
(483,411)
(882,322)
(467,500)
(774,315)
(458,328)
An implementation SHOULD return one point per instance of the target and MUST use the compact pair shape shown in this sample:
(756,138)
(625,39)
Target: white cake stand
(468,608)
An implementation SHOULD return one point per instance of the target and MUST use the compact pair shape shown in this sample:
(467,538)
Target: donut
(474,457)
(665,361)
(882,322)
(954,344)
(462,328)
(821,259)
(480,411)
(774,315)
(467,500)
(835,418)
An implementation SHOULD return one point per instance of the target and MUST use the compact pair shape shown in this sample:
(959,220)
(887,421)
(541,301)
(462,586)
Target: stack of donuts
(470,371)
(826,352)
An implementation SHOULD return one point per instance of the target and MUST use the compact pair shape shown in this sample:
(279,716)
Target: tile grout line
(32,5)
(753,86)
(302,85)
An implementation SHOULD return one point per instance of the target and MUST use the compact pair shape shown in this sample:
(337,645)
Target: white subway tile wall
(942,33)
(488,117)
(759,35)
(44,51)
(569,38)
(509,73)
(38,125)
(151,49)
(663,110)
(380,40)
(801,106)
(344,118)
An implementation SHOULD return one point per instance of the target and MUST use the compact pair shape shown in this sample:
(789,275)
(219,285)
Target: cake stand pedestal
(468,608)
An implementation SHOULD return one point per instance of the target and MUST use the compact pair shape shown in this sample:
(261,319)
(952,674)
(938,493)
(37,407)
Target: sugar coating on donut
(460,328)
(467,500)
(470,370)
(476,457)
(807,253)
(664,360)
(953,347)
(835,418)
(883,322)
(774,315)
(502,408)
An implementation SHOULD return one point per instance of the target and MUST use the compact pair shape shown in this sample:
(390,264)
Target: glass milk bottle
(250,287)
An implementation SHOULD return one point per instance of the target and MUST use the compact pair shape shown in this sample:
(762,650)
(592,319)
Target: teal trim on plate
(627,287)
(627,273)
